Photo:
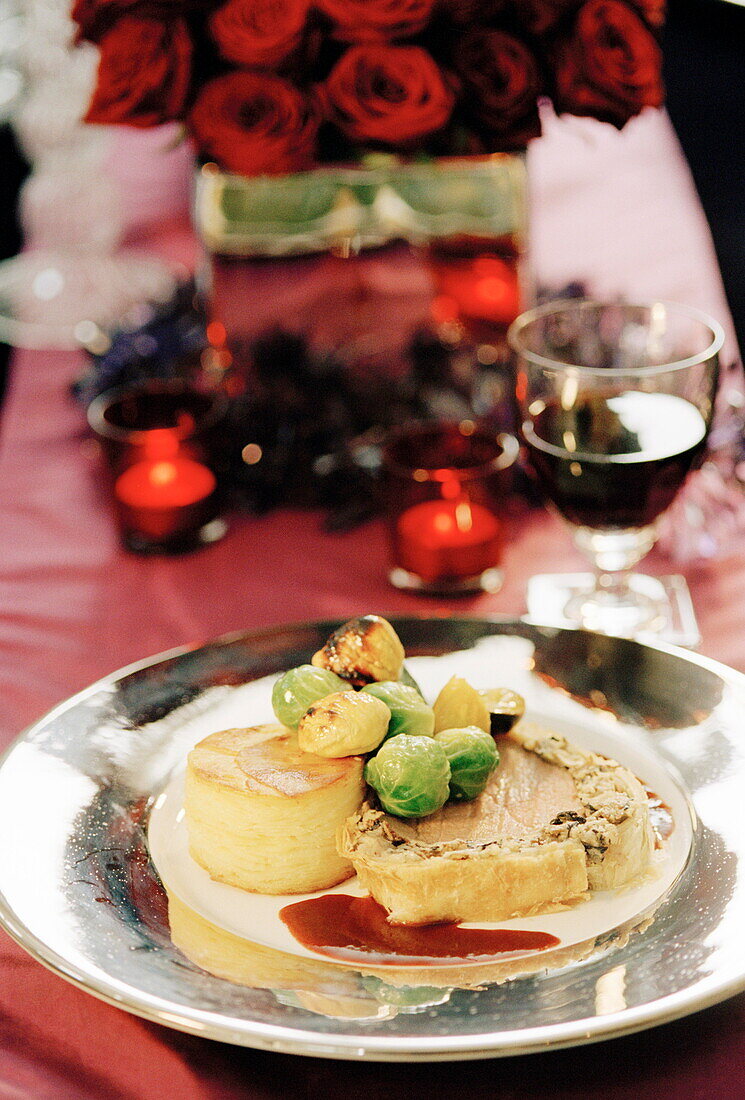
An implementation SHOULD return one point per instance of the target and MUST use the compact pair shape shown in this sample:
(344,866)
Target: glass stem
(612,604)
(615,553)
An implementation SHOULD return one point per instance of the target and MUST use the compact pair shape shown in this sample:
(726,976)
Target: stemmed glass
(616,403)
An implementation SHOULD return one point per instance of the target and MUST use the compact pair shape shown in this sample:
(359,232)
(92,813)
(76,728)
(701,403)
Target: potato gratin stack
(445,812)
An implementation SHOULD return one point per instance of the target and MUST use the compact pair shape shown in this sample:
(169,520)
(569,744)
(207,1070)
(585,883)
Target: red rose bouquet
(276,86)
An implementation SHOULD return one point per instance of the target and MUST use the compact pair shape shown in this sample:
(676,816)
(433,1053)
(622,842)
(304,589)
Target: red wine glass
(616,402)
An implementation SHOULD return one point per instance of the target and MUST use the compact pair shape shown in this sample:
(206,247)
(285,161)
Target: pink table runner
(617,211)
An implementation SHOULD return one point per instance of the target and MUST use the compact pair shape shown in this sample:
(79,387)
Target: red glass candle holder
(445,486)
(157,437)
(479,285)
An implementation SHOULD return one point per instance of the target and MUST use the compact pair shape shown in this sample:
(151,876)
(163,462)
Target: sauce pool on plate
(355,929)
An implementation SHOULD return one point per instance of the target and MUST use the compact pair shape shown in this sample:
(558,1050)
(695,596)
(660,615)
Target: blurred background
(705,76)
(703,44)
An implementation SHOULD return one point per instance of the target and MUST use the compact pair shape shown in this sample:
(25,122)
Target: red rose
(501,84)
(473,11)
(259,33)
(254,124)
(539,16)
(610,67)
(653,11)
(376,20)
(143,72)
(389,94)
(96,17)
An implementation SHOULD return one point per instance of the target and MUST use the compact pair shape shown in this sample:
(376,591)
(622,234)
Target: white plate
(95,910)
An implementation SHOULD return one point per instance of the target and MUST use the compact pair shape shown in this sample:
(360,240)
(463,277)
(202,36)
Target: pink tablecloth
(616,210)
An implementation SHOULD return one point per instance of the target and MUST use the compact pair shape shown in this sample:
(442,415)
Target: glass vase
(394,271)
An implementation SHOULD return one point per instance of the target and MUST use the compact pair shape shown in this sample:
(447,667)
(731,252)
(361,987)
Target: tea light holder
(157,437)
(445,486)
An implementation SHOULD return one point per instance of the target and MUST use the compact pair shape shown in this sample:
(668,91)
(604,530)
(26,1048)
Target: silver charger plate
(78,889)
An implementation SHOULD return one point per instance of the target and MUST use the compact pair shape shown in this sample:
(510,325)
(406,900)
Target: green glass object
(299,689)
(473,756)
(383,200)
(411,775)
(409,713)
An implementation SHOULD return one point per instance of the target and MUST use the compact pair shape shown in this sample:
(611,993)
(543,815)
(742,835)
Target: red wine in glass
(614,461)
(617,400)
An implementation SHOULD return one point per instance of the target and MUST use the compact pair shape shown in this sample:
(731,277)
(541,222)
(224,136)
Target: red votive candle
(446,485)
(161,497)
(441,539)
(157,438)
(477,283)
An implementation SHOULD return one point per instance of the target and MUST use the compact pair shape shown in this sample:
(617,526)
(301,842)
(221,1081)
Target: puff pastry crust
(553,823)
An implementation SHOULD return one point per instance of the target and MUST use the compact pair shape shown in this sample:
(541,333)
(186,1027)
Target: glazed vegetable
(363,650)
(473,756)
(409,712)
(299,688)
(459,705)
(344,724)
(411,776)
(505,707)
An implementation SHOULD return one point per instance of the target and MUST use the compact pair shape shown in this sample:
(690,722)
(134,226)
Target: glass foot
(488,581)
(185,542)
(667,615)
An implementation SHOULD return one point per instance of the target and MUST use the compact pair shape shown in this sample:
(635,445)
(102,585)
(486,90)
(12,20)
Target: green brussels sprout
(472,755)
(411,775)
(299,689)
(405,677)
(409,713)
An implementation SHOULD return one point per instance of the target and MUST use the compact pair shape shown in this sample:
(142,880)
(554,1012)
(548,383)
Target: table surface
(74,606)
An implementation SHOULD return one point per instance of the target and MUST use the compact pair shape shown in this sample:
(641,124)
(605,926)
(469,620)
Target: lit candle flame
(492,290)
(442,522)
(162,473)
(463,516)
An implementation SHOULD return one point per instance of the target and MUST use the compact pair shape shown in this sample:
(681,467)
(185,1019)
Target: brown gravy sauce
(354,929)
(357,930)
